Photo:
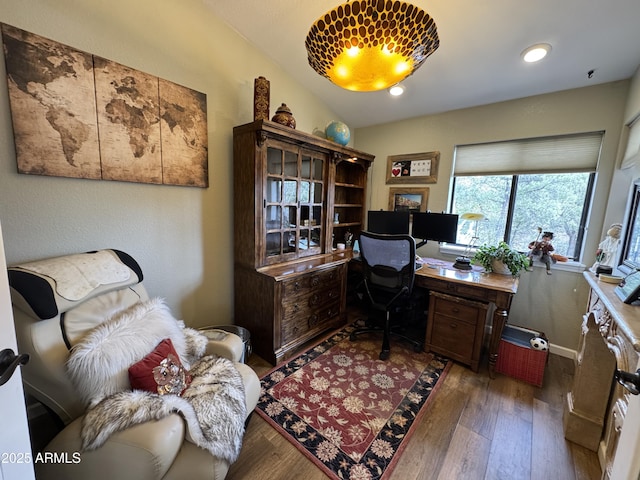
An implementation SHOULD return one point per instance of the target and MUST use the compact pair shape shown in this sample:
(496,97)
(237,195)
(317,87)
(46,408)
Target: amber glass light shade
(369,45)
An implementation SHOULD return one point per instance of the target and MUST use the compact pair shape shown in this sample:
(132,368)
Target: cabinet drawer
(306,320)
(467,313)
(312,281)
(310,301)
(456,337)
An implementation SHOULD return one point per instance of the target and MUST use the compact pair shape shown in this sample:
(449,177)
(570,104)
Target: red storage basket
(517,359)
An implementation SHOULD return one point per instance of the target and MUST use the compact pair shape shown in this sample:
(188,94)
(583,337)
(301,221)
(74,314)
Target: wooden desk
(440,276)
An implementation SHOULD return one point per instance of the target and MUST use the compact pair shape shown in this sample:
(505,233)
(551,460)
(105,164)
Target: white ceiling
(478,61)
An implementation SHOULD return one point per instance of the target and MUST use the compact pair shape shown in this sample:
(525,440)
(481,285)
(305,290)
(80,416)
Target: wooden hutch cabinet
(295,196)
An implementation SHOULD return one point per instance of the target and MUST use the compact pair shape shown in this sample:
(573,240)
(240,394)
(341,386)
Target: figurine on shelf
(606,252)
(261,89)
(541,250)
(348,238)
(284,116)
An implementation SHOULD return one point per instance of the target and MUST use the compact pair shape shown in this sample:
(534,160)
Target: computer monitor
(438,227)
(393,223)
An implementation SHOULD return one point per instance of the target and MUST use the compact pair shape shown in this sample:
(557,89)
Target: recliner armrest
(144,451)
(224,344)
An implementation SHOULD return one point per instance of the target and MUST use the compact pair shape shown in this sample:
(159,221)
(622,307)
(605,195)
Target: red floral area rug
(348,411)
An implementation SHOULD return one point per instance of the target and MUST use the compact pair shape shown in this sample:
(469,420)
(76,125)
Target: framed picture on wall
(413,168)
(408,199)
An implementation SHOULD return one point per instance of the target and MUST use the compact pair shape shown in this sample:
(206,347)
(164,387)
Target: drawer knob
(313,320)
(455,310)
(295,308)
(315,281)
(453,325)
(332,294)
(296,286)
(313,300)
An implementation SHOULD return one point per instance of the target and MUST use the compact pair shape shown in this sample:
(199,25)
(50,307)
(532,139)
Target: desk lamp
(463,262)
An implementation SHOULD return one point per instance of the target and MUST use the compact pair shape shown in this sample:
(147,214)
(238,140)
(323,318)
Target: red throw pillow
(141,373)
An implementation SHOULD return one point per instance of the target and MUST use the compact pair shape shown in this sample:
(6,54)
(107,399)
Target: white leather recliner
(56,302)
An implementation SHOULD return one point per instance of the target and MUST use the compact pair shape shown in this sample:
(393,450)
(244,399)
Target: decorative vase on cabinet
(289,285)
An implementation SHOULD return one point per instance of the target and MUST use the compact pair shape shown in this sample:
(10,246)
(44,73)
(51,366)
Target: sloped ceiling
(478,61)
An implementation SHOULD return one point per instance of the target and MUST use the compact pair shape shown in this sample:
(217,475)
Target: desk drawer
(452,337)
(455,310)
(455,327)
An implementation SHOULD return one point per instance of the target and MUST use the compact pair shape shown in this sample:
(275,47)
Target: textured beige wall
(181,236)
(623,179)
(553,304)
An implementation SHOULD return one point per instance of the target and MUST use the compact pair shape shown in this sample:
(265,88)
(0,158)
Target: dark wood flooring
(476,428)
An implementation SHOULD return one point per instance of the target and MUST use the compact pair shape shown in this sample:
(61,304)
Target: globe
(338,132)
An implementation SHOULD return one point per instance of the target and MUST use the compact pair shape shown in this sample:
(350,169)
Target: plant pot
(499,267)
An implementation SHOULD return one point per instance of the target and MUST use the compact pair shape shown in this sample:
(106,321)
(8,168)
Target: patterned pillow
(160,371)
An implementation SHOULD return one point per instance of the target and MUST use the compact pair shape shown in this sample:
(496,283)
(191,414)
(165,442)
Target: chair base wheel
(352,337)
(384,355)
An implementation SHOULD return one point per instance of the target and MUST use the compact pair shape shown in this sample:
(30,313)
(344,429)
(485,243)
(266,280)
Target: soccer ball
(539,343)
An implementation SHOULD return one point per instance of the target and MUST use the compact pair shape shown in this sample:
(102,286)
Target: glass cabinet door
(295,195)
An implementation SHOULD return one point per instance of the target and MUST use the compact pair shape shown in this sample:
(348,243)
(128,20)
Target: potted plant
(491,256)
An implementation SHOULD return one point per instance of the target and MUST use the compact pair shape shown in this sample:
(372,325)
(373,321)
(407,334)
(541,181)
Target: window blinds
(558,154)
(632,152)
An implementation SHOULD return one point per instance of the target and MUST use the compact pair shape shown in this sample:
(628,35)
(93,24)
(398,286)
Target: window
(522,185)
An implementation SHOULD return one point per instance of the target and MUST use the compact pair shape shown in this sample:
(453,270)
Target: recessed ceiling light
(396,90)
(535,53)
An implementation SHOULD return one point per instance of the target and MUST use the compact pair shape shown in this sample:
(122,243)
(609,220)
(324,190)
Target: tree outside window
(515,206)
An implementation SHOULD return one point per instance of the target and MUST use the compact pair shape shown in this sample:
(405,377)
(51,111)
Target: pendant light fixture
(369,45)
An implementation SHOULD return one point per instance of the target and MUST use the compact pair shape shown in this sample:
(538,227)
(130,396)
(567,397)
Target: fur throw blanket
(213,407)
(98,364)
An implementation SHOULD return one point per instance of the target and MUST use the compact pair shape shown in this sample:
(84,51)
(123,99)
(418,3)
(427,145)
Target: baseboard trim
(563,351)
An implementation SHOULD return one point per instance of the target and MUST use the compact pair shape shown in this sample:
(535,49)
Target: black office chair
(388,263)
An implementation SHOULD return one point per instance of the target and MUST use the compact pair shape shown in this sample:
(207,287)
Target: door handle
(9,361)
(630,381)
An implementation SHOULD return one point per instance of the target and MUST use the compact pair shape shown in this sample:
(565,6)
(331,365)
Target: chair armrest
(142,452)
(251,386)
(224,344)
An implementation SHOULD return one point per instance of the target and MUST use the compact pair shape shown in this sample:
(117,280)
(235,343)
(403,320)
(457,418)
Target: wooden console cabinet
(456,327)
(296,196)
(596,405)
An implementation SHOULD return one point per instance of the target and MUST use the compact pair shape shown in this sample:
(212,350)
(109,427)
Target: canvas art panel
(78,115)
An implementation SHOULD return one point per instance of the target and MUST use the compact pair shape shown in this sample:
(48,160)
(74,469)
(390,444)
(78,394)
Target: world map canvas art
(79,115)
